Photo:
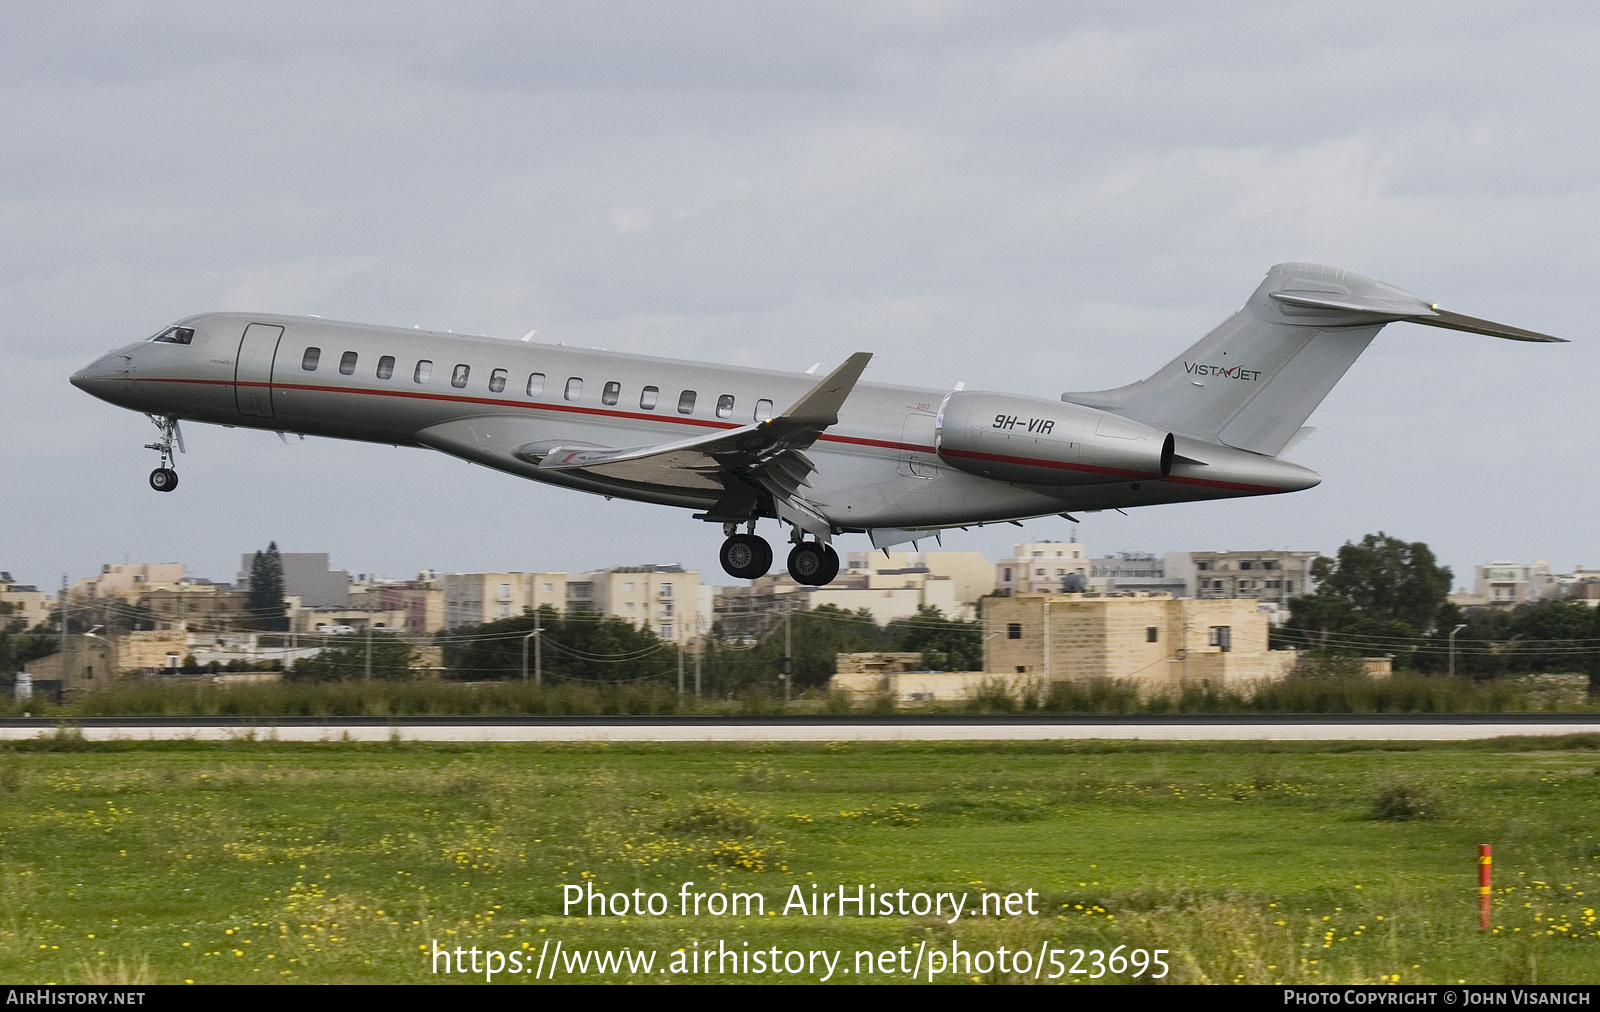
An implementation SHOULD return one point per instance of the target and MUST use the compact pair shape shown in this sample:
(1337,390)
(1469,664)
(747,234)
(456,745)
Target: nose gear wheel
(164,478)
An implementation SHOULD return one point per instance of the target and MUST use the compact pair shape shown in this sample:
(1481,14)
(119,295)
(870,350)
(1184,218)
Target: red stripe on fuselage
(709,423)
(639,416)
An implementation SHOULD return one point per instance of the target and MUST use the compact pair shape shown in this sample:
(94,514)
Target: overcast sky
(1025,197)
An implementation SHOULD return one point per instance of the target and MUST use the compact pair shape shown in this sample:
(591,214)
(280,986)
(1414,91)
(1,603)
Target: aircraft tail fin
(1253,381)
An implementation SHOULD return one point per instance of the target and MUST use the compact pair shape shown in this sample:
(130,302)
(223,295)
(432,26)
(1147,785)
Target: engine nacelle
(1040,442)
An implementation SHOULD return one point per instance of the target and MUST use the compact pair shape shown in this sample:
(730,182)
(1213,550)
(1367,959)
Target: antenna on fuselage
(529,335)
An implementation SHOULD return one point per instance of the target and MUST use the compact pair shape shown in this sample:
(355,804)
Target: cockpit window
(175,335)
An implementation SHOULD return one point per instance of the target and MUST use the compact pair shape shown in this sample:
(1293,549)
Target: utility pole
(1453,648)
(367,597)
(698,654)
(538,680)
(788,647)
(680,671)
(64,657)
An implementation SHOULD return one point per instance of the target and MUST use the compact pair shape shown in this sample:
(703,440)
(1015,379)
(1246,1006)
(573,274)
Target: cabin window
(763,409)
(725,406)
(535,384)
(611,393)
(648,397)
(686,402)
(1014,631)
(424,370)
(309,360)
(175,335)
(458,376)
(347,363)
(385,367)
(1151,634)
(497,381)
(574,388)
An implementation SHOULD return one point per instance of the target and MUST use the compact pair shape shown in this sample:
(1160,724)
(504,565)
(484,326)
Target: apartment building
(1042,566)
(1272,577)
(666,599)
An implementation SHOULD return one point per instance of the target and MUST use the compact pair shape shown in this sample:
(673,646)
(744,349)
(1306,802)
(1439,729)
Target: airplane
(823,457)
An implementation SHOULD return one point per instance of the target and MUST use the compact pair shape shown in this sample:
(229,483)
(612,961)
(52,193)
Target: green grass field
(257,861)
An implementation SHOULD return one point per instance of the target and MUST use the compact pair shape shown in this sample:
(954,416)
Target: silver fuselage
(880,466)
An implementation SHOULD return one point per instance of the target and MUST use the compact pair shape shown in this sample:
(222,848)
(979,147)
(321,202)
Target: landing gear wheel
(163,479)
(813,564)
(745,556)
(831,569)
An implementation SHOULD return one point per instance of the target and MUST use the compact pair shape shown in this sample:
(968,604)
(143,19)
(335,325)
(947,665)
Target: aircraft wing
(767,455)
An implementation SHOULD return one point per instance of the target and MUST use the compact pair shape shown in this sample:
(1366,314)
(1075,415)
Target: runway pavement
(890,727)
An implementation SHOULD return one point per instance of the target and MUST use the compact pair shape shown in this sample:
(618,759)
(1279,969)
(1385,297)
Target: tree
(1593,657)
(266,591)
(946,644)
(581,645)
(1377,597)
(391,661)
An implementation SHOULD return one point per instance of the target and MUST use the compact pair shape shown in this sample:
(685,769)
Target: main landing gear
(813,563)
(164,478)
(745,556)
(748,556)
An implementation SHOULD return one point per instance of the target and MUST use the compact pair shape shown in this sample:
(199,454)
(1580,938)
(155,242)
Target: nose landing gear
(164,478)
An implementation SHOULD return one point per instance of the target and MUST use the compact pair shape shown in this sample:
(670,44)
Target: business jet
(823,457)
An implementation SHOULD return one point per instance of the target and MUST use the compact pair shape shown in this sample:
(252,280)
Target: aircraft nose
(97,377)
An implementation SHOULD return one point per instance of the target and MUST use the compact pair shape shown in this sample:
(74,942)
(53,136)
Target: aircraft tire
(830,567)
(807,561)
(163,479)
(745,556)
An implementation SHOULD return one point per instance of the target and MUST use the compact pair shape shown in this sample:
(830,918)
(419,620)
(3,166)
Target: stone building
(1156,638)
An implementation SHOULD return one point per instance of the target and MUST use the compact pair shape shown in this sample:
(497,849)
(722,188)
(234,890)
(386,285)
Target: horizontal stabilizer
(1473,325)
(1417,311)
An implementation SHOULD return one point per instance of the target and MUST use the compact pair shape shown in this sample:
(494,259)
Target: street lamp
(1453,648)
(538,667)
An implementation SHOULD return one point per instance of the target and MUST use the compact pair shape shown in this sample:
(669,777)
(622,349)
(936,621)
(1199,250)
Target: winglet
(820,405)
